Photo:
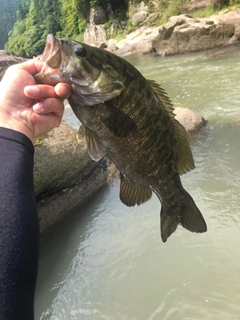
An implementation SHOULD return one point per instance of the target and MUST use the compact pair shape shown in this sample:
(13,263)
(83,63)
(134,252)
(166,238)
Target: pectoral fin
(118,122)
(132,193)
(96,149)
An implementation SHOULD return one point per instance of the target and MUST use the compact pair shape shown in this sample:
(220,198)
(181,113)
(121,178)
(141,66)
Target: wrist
(9,122)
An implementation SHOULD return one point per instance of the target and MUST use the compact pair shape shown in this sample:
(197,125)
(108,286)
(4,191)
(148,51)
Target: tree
(7,18)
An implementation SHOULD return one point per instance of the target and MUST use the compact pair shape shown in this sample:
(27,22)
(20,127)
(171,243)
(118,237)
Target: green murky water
(108,262)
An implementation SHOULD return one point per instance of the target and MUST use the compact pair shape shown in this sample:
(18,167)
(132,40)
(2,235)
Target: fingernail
(38,108)
(33,90)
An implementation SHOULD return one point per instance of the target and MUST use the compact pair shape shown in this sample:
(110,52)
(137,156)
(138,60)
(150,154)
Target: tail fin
(187,214)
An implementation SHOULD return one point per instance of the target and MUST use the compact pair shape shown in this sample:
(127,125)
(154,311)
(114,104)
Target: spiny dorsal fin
(132,193)
(185,158)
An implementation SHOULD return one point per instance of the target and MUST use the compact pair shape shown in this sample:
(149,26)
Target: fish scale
(130,120)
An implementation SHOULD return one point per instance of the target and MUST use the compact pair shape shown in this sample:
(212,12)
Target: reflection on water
(108,262)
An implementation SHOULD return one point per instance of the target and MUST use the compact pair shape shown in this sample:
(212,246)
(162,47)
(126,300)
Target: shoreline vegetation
(96,22)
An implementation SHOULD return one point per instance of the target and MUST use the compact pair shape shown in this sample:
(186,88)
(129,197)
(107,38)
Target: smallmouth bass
(130,120)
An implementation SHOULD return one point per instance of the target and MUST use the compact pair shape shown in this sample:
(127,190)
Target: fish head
(84,67)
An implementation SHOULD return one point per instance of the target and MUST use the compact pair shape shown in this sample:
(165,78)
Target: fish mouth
(51,49)
(55,63)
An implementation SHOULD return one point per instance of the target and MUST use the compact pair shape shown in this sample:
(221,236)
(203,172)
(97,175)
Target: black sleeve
(19,228)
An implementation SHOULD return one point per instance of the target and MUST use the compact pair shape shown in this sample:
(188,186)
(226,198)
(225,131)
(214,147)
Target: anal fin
(132,193)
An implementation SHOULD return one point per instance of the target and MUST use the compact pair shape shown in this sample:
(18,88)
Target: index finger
(40,91)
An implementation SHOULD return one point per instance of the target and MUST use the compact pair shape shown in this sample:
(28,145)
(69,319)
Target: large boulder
(139,17)
(138,12)
(95,33)
(6,60)
(59,160)
(191,120)
(184,34)
(64,174)
(139,41)
(97,15)
(181,34)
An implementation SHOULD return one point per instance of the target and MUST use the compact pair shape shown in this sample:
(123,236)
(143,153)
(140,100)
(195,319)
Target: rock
(112,47)
(139,17)
(97,15)
(151,19)
(181,34)
(191,120)
(135,8)
(103,46)
(195,5)
(184,34)
(64,174)
(55,208)
(4,53)
(139,41)
(6,60)
(59,160)
(95,35)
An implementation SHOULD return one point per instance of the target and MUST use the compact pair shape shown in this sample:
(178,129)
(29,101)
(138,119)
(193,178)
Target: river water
(108,262)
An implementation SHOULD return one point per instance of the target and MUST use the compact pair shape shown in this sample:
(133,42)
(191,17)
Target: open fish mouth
(55,63)
(52,50)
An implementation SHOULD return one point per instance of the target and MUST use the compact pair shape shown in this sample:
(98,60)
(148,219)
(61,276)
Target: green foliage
(220,4)
(64,18)
(27,39)
(204,13)
(234,2)
(7,18)
(68,18)
(170,8)
(22,11)
(83,8)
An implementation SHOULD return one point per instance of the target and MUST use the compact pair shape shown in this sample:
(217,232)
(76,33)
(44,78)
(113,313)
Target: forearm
(19,229)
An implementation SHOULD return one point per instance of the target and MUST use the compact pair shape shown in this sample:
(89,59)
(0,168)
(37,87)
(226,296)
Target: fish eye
(80,52)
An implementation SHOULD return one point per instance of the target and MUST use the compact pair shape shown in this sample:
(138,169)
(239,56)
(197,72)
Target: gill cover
(92,84)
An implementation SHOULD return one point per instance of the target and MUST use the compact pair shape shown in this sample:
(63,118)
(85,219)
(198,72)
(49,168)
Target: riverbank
(181,34)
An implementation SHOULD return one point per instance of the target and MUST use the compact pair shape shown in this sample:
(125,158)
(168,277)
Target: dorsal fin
(185,158)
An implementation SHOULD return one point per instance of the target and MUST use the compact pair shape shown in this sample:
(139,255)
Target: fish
(130,120)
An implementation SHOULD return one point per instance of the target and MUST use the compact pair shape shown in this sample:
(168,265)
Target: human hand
(27,107)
